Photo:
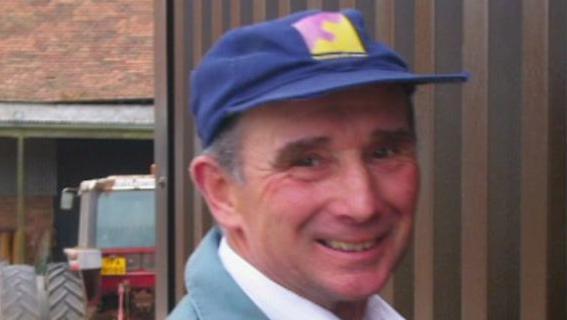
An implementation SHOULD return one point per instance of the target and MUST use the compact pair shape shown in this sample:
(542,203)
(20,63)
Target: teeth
(348,246)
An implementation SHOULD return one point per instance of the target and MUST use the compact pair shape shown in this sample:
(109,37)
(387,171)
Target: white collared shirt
(263,292)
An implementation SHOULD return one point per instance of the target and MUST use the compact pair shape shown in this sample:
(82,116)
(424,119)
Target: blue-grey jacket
(212,293)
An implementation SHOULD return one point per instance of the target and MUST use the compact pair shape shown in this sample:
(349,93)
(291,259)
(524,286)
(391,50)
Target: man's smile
(349,246)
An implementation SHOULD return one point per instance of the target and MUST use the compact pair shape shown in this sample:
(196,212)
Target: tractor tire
(18,293)
(66,294)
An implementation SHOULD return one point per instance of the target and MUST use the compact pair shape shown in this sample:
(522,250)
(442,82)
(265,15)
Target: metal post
(165,285)
(173,150)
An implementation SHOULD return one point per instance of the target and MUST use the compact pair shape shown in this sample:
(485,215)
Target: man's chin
(357,290)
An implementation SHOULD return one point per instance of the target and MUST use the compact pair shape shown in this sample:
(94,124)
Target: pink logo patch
(330,35)
(312,28)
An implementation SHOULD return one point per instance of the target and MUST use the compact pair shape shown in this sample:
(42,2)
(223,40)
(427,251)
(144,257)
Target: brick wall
(61,50)
(39,221)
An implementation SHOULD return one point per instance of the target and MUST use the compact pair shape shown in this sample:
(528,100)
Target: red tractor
(110,274)
(116,246)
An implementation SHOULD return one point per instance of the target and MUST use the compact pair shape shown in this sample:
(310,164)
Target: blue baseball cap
(304,55)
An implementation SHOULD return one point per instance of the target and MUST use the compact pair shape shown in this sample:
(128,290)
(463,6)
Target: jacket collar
(214,294)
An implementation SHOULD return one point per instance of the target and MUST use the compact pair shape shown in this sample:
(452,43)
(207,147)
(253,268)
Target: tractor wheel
(18,293)
(65,293)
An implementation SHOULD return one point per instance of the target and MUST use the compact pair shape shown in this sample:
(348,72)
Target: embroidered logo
(330,35)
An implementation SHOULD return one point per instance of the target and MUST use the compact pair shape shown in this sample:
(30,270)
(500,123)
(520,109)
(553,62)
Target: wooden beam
(384,17)
(259,10)
(20,243)
(474,206)
(535,159)
(425,115)
(77,133)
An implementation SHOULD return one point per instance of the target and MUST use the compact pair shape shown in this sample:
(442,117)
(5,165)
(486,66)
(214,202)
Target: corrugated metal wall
(490,240)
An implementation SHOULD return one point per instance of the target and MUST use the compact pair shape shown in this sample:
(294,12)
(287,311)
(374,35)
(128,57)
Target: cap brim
(323,83)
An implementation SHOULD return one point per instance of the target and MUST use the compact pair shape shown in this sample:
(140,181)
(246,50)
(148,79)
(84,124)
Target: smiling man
(309,170)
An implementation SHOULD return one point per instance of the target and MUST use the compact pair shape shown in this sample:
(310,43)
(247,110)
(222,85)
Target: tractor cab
(116,243)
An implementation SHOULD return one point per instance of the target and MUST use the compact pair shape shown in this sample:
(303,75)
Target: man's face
(330,185)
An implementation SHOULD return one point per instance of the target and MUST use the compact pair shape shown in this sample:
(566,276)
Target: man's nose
(359,198)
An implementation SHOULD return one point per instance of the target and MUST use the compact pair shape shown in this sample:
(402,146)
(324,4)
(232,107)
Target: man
(309,170)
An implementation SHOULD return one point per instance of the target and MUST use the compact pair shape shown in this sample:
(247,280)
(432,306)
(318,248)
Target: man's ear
(216,186)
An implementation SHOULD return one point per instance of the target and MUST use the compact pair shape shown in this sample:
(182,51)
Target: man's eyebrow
(291,149)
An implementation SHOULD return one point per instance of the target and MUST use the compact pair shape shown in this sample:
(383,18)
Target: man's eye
(307,161)
(383,152)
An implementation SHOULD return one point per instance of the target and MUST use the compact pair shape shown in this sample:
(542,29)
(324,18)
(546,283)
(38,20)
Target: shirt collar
(263,291)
